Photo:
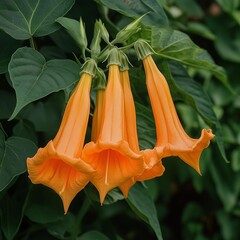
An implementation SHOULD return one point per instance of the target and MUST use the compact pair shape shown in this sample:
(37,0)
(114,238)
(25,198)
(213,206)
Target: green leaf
(34,78)
(12,210)
(8,47)
(190,7)
(23,19)
(226,182)
(73,28)
(6,106)
(145,127)
(192,93)
(63,227)
(113,196)
(44,205)
(228,225)
(136,8)
(201,29)
(228,46)
(142,204)
(93,235)
(236,16)
(228,5)
(179,47)
(45,115)
(13,154)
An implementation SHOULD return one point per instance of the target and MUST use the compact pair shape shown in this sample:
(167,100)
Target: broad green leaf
(235,161)
(34,78)
(190,7)
(6,106)
(113,196)
(178,46)
(63,227)
(93,235)
(13,154)
(25,129)
(142,204)
(236,16)
(192,93)
(12,210)
(228,46)
(23,19)
(226,182)
(201,29)
(44,205)
(76,30)
(136,8)
(228,225)
(228,5)
(73,28)
(145,127)
(45,115)
(8,47)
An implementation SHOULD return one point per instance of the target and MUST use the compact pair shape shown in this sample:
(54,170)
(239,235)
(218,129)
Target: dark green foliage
(197,45)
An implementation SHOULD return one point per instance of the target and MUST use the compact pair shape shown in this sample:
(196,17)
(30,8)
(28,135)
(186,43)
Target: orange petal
(130,112)
(58,165)
(58,172)
(169,131)
(114,164)
(112,128)
(111,156)
(71,134)
(125,187)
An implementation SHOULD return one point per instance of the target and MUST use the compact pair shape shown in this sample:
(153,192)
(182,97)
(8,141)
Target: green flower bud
(128,31)
(104,32)
(95,44)
(83,40)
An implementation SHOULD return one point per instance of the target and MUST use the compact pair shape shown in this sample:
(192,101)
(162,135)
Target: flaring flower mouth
(114,164)
(65,175)
(172,140)
(59,165)
(111,153)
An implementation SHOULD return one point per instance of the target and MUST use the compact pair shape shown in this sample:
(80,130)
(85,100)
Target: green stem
(32,43)
(82,212)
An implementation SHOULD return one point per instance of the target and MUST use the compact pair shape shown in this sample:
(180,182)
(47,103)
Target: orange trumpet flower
(131,125)
(110,155)
(172,140)
(59,165)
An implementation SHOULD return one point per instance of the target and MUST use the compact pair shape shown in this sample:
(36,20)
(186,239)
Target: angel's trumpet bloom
(131,125)
(172,140)
(131,132)
(59,165)
(110,155)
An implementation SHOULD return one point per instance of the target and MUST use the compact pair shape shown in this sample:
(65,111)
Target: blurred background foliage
(184,204)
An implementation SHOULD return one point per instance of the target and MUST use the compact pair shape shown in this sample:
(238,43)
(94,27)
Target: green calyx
(99,80)
(114,57)
(90,67)
(143,49)
(124,61)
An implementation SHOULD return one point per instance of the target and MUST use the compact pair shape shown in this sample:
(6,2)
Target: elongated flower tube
(97,115)
(131,135)
(110,155)
(172,140)
(130,127)
(59,165)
